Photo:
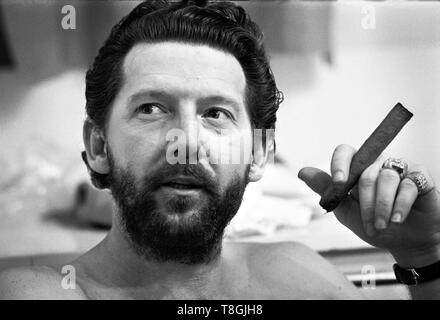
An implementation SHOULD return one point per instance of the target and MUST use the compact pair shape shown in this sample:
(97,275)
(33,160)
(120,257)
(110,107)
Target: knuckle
(367,180)
(407,185)
(368,207)
(383,204)
(389,175)
(367,211)
(367,183)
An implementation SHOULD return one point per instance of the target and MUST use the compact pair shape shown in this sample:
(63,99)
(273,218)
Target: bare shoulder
(299,271)
(36,282)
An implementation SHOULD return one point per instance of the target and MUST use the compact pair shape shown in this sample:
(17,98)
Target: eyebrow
(161,94)
(157,94)
(221,101)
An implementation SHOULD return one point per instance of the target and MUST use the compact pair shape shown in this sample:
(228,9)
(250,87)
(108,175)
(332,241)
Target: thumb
(316,179)
(348,215)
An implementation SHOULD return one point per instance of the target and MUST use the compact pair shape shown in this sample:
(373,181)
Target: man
(198,72)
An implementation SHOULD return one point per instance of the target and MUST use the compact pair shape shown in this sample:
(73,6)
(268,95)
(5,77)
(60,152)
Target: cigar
(367,154)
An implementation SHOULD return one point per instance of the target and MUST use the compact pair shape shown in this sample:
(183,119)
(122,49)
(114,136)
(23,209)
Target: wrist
(417,258)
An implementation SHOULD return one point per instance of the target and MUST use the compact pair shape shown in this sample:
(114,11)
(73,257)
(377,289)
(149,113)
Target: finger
(340,164)
(406,196)
(315,178)
(386,190)
(366,189)
(428,194)
(430,184)
(367,196)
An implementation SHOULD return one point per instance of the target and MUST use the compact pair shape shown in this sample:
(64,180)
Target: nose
(186,124)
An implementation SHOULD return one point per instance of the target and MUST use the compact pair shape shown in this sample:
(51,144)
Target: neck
(129,269)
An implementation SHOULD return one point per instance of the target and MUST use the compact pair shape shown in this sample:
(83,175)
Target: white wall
(343,102)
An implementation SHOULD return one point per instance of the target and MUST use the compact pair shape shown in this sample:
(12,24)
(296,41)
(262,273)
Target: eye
(217,114)
(150,108)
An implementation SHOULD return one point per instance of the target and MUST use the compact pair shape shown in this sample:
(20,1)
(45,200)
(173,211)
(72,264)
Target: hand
(383,210)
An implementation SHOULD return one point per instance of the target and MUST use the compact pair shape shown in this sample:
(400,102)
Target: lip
(181,189)
(182,182)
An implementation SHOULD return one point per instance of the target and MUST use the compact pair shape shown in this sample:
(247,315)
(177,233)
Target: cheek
(233,153)
(228,173)
(231,147)
(135,150)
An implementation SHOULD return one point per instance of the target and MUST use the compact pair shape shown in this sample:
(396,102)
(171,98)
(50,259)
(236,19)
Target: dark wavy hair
(222,25)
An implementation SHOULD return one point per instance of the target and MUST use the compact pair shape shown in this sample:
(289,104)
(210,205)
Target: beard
(176,228)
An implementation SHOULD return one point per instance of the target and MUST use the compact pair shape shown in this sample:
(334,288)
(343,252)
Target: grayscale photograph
(193,150)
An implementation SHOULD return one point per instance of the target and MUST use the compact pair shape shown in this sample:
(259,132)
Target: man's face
(179,211)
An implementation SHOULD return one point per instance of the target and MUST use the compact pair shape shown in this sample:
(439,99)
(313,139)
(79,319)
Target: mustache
(195,171)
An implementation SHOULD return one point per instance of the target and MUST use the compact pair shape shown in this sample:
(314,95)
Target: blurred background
(341,65)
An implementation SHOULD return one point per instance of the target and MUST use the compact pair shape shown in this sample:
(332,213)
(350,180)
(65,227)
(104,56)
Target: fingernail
(339,176)
(397,217)
(370,230)
(380,223)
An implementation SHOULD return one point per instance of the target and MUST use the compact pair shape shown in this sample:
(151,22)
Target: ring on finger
(419,180)
(398,165)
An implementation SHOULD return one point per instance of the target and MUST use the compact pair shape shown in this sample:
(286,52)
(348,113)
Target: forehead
(185,68)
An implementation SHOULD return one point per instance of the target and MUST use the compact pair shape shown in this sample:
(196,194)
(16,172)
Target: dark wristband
(417,275)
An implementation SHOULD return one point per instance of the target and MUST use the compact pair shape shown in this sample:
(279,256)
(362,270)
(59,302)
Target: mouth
(183,183)
(181,186)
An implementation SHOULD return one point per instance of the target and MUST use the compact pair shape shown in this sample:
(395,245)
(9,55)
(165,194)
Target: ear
(261,156)
(96,147)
